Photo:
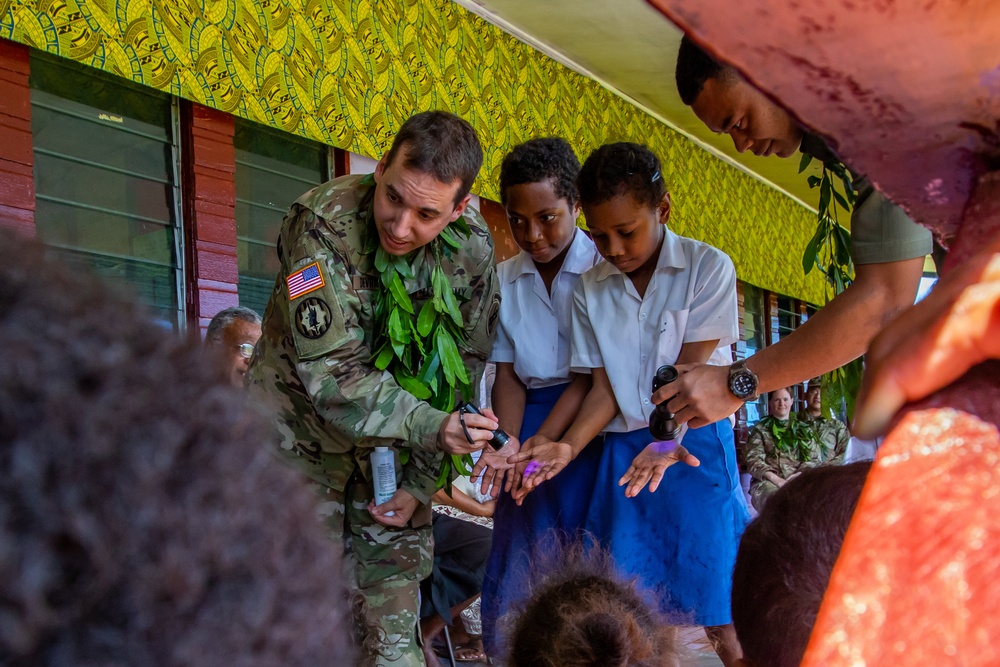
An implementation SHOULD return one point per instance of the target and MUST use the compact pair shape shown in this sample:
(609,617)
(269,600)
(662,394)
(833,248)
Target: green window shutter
(105,179)
(273,169)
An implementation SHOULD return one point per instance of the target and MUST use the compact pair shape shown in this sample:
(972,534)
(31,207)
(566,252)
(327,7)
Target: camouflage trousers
(760,491)
(385,564)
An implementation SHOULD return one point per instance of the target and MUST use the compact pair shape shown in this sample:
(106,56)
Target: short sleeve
(881,232)
(713,311)
(503,346)
(584,351)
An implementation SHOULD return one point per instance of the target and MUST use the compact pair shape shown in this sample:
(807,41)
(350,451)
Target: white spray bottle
(384,475)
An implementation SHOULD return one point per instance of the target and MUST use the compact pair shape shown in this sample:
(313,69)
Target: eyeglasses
(246,350)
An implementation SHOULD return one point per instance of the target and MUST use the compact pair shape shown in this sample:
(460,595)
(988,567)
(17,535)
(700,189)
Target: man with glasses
(234,332)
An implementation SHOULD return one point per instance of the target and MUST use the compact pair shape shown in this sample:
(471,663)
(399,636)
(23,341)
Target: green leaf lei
(830,251)
(420,350)
(794,436)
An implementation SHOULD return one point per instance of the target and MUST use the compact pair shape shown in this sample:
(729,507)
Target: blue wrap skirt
(523,535)
(681,540)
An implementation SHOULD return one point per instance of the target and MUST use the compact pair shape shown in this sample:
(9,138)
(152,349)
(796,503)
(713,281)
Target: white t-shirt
(534,331)
(691,297)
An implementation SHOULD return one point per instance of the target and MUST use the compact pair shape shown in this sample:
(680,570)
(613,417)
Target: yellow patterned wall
(348,72)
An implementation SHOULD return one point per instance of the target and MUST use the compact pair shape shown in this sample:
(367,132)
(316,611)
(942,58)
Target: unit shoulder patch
(313,318)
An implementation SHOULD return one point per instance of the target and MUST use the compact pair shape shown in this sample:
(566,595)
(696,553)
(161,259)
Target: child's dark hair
(618,169)
(784,562)
(544,159)
(584,615)
(142,517)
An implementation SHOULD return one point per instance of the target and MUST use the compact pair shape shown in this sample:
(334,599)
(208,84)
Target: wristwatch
(742,381)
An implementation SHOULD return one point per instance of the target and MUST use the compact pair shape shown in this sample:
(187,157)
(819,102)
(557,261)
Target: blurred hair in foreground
(143,520)
(583,614)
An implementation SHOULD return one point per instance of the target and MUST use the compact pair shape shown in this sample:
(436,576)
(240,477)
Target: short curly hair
(543,159)
(624,168)
(583,614)
(142,517)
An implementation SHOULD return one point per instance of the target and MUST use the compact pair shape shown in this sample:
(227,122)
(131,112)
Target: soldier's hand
(493,466)
(402,505)
(700,396)
(451,435)
(650,464)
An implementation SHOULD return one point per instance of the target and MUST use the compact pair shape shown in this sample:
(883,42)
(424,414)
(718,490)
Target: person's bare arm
(461,501)
(566,408)
(508,398)
(697,352)
(837,334)
(597,409)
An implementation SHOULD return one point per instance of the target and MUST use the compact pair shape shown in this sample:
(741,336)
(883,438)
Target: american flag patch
(305,280)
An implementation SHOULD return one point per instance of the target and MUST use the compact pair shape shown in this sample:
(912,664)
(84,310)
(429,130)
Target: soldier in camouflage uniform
(832,432)
(780,447)
(313,364)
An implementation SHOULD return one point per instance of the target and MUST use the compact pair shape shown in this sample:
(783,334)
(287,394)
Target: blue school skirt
(523,537)
(681,541)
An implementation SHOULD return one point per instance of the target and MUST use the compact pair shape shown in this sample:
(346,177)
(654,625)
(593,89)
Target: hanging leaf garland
(794,436)
(421,350)
(829,250)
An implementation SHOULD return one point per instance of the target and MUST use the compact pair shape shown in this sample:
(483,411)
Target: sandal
(471,651)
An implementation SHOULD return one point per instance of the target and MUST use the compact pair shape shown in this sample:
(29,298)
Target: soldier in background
(781,445)
(832,432)
(314,367)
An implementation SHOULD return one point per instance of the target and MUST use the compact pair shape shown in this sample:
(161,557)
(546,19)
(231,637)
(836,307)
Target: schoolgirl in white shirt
(658,299)
(532,353)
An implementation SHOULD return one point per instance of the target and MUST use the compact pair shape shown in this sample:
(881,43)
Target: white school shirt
(534,327)
(691,297)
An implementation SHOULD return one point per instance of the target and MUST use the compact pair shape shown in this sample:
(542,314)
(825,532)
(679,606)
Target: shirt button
(642,316)
(645,401)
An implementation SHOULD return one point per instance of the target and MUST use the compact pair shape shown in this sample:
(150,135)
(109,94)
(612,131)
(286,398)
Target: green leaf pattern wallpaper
(348,72)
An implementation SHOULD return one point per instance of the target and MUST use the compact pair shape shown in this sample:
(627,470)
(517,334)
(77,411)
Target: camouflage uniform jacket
(832,433)
(763,454)
(313,364)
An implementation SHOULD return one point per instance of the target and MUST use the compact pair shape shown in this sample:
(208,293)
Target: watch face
(742,384)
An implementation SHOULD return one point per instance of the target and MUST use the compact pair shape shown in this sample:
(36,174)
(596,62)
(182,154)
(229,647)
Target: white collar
(671,257)
(578,259)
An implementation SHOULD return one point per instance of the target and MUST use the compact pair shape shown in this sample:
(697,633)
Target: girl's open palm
(648,467)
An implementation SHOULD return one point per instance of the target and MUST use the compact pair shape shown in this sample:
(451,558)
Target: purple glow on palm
(531,469)
(663,446)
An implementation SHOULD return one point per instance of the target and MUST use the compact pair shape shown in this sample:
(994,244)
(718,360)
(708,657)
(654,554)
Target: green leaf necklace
(420,350)
(794,436)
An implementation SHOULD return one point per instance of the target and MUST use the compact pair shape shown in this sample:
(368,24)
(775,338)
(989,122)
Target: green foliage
(829,250)
(420,350)
(794,436)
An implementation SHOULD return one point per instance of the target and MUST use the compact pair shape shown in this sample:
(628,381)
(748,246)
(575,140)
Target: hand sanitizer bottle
(383,475)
